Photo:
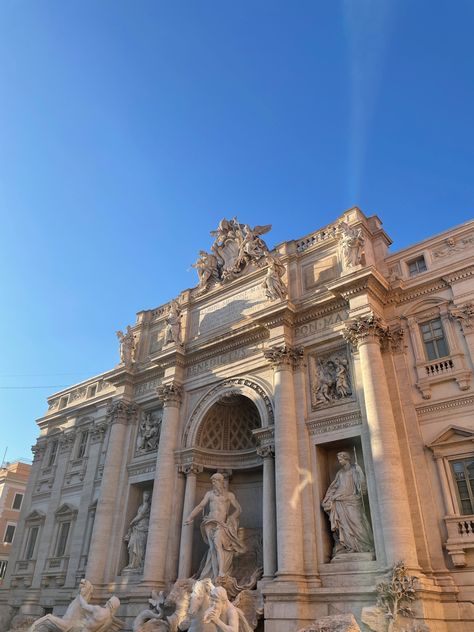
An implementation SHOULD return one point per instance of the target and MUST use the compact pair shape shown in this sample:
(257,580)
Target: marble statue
(224,615)
(219,529)
(137,534)
(235,246)
(148,433)
(98,618)
(127,346)
(173,324)
(199,603)
(343,503)
(206,267)
(81,616)
(352,244)
(273,284)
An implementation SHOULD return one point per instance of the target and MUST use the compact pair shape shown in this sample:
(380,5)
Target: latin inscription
(315,326)
(223,358)
(230,309)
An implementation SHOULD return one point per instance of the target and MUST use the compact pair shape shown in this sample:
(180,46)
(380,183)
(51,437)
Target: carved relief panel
(148,435)
(330,378)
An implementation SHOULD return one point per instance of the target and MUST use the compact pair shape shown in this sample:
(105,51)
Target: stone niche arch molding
(253,389)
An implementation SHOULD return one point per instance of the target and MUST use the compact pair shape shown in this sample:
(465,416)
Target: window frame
(415,261)
(14,500)
(7,527)
(435,340)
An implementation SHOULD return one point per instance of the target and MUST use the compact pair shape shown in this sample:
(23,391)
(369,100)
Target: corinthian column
(367,333)
(162,501)
(288,502)
(119,415)
(186,547)
(269,518)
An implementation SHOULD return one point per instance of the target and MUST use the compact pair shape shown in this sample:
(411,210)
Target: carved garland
(223,386)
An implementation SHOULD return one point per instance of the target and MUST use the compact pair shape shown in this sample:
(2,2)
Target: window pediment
(66,511)
(35,516)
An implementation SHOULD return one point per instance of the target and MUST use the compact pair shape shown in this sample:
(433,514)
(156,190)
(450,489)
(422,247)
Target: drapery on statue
(127,346)
(173,324)
(352,244)
(343,503)
(219,529)
(206,267)
(273,284)
(137,534)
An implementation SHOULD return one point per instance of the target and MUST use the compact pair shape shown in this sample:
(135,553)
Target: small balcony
(434,372)
(460,537)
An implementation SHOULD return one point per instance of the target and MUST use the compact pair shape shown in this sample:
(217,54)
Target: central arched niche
(224,432)
(228,425)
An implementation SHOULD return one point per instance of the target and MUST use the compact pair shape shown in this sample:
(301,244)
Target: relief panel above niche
(330,376)
(319,272)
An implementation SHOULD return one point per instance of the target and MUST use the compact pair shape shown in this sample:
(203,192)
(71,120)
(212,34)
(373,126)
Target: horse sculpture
(199,603)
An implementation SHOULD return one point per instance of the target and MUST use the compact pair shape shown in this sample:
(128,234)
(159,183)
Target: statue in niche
(127,346)
(344,505)
(352,244)
(137,534)
(219,529)
(206,267)
(273,284)
(173,324)
(149,433)
(331,380)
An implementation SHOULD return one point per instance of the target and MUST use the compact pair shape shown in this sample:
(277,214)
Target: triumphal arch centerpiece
(287,441)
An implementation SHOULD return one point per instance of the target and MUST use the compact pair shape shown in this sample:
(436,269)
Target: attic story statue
(219,528)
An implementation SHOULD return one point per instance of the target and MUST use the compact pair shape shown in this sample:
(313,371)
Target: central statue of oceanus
(219,529)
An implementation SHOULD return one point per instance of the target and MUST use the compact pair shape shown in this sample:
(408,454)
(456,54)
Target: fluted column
(367,333)
(269,514)
(119,415)
(186,547)
(288,502)
(162,502)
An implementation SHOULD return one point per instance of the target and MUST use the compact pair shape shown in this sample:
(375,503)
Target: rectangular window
(53,452)
(3,568)
(31,542)
(63,402)
(81,448)
(62,539)
(92,390)
(463,470)
(417,266)
(434,340)
(17,501)
(9,533)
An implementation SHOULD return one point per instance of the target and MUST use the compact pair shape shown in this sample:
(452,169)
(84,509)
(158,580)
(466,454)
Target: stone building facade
(13,480)
(275,364)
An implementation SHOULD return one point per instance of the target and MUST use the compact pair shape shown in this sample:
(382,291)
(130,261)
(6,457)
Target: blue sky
(129,129)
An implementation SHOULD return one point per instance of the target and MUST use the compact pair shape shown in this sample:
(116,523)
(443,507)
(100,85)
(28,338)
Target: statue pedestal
(135,572)
(353,557)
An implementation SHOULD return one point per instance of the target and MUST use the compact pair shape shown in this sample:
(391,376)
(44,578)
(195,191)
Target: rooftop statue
(235,246)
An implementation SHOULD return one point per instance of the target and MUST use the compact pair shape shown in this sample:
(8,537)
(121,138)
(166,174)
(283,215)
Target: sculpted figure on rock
(219,528)
(344,506)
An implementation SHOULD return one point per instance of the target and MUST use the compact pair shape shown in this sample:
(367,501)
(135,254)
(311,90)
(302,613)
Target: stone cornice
(368,280)
(229,343)
(319,311)
(170,358)
(222,459)
(458,275)
(336,422)
(446,405)
(398,296)
(265,436)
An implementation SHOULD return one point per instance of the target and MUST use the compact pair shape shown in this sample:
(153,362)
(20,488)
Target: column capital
(266,451)
(190,468)
(364,329)
(121,412)
(66,441)
(38,450)
(284,356)
(98,431)
(170,394)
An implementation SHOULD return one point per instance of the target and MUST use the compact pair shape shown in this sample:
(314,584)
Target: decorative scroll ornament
(121,412)
(266,451)
(364,329)
(464,314)
(284,355)
(170,393)
(235,247)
